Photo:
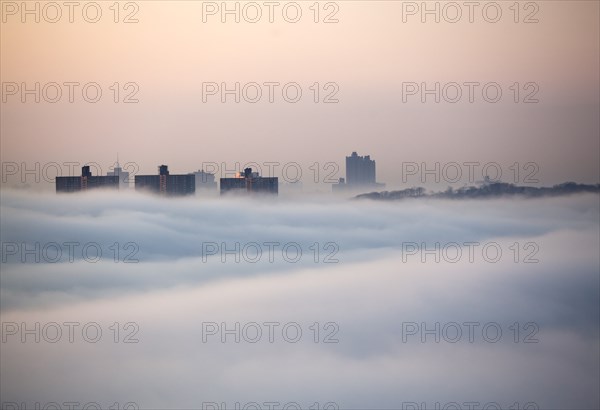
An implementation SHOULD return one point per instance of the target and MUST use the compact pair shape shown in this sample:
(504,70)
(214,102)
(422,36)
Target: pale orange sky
(369,53)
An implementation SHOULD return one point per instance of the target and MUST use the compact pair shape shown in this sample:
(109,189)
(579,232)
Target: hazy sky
(369,53)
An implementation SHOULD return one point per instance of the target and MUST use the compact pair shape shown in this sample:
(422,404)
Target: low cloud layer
(378,289)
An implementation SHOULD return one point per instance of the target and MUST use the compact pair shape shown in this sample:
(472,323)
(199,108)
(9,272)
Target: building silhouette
(166,184)
(122,175)
(249,182)
(360,174)
(205,181)
(86,181)
(360,170)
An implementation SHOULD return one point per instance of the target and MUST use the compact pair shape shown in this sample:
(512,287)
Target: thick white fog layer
(412,304)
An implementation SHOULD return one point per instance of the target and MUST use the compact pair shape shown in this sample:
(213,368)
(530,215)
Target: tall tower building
(360,174)
(205,182)
(119,173)
(360,170)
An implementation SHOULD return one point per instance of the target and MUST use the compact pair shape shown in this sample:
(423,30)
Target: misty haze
(317,205)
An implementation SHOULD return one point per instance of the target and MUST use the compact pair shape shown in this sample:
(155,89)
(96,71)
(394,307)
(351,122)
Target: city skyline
(329,175)
(323,205)
(559,132)
(360,174)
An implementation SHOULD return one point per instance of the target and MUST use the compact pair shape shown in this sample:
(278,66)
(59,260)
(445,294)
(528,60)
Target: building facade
(122,175)
(360,174)
(166,184)
(360,170)
(85,182)
(249,182)
(205,182)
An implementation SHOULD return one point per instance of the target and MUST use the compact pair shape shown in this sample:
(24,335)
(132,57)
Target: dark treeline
(489,190)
